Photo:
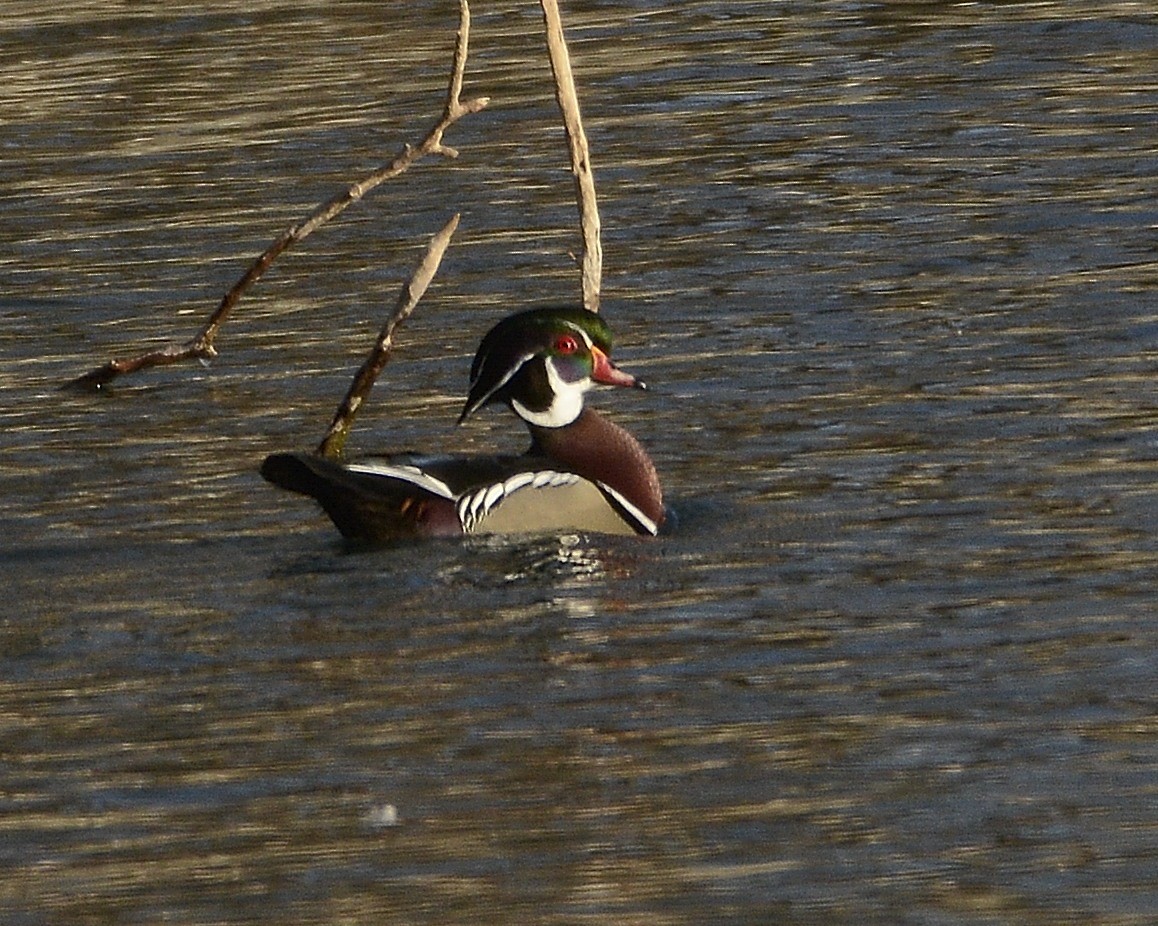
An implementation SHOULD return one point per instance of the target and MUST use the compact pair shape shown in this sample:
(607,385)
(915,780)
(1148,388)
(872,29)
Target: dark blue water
(890,271)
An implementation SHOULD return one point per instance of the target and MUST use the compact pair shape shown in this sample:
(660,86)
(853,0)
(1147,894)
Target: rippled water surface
(891,271)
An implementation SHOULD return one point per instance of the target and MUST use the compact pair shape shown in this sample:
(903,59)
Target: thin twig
(202,344)
(335,440)
(592,269)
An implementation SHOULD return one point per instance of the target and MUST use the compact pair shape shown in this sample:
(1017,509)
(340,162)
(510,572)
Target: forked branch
(334,441)
(201,346)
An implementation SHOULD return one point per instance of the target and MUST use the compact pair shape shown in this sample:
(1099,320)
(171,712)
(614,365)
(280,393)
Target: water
(890,270)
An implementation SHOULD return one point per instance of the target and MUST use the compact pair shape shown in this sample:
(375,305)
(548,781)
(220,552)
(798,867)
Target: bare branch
(202,344)
(335,440)
(592,270)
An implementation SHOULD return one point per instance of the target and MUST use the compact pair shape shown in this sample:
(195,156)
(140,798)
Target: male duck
(581,473)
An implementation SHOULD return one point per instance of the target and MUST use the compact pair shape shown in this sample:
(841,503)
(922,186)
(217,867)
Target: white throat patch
(565,406)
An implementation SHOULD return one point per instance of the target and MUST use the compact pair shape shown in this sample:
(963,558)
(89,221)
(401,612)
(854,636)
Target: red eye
(566,344)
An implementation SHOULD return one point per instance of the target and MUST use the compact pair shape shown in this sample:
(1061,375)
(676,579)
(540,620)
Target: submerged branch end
(334,441)
(95,380)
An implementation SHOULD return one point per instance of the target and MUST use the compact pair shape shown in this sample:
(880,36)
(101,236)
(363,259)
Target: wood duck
(581,473)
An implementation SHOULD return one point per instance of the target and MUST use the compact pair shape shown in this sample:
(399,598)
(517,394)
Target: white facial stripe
(518,365)
(568,401)
(562,411)
(565,406)
(583,334)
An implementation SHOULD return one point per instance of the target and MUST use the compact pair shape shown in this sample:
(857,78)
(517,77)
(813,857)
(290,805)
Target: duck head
(540,362)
